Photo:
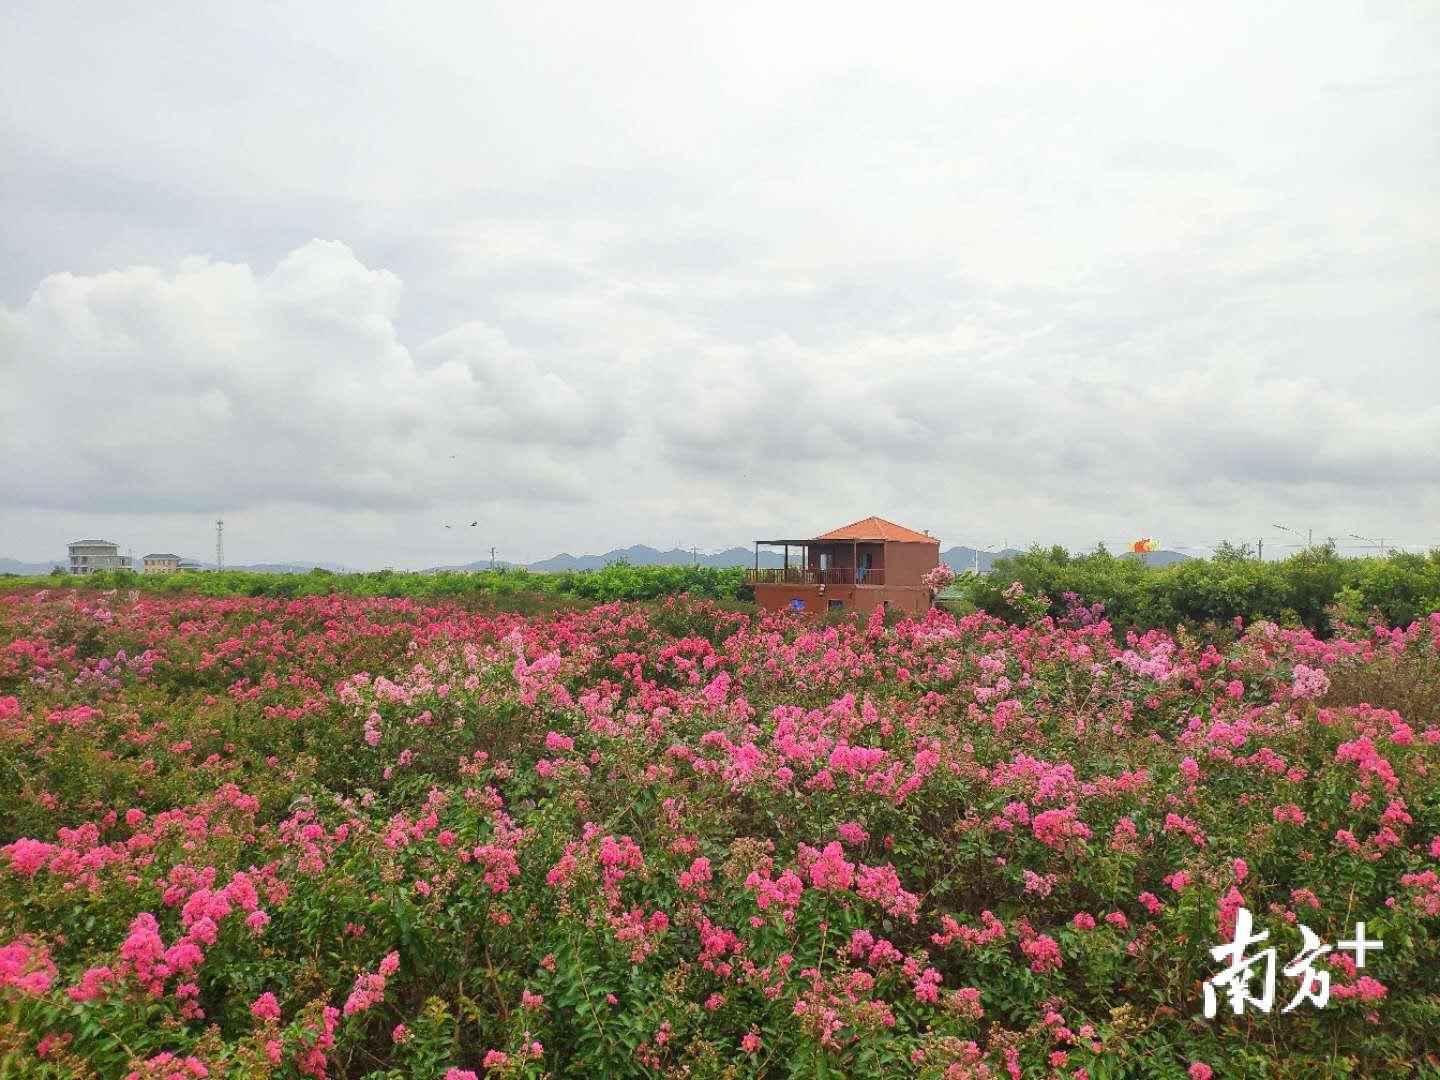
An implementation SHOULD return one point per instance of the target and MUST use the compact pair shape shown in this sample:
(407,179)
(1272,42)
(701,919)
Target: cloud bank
(592,279)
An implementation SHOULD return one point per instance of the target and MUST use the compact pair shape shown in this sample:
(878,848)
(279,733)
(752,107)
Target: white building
(161,564)
(88,556)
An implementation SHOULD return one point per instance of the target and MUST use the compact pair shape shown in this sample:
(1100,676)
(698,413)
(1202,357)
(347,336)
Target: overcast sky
(671,273)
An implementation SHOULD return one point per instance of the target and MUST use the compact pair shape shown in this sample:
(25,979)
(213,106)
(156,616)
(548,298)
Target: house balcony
(813,575)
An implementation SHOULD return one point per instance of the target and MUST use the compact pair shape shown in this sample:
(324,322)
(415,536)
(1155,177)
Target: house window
(797,604)
(835,605)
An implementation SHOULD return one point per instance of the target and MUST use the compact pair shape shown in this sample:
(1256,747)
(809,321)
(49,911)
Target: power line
(1380,543)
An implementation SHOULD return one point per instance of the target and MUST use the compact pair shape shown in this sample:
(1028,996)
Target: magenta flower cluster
(331,836)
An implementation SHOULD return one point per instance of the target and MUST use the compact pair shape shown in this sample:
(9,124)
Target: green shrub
(1311,588)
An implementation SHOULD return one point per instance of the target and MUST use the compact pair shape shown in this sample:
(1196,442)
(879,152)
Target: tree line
(1314,587)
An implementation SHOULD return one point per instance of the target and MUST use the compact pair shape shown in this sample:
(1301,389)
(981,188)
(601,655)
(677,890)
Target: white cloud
(214,386)
(686,275)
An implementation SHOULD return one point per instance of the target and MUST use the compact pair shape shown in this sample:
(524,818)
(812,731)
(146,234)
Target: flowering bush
(341,837)
(941,577)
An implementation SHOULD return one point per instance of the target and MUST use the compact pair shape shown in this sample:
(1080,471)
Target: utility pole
(1260,549)
(975,555)
(492,556)
(695,555)
(219,544)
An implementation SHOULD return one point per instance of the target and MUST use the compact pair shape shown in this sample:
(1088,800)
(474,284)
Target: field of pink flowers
(368,838)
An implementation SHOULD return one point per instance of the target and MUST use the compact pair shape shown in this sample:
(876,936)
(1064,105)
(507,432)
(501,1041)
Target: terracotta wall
(778,597)
(906,564)
(910,601)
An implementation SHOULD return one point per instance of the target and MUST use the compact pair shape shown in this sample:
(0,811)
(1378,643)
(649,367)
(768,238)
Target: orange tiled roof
(874,528)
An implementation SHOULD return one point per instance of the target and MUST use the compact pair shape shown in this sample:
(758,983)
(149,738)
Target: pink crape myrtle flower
(27,967)
(1309,683)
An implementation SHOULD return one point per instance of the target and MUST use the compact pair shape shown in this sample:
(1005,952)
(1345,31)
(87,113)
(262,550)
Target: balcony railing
(811,575)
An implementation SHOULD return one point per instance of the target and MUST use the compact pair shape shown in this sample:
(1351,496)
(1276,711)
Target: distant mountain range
(29,569)
(641,555)
(636,555)
(957,558)
(963,558)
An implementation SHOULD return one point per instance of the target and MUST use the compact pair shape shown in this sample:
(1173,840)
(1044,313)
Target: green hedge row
(1313,588)
(619,581)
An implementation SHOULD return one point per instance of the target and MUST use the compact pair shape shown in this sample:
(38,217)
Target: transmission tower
(219,543)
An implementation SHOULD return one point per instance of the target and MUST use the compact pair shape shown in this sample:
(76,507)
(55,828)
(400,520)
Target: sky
(688,274)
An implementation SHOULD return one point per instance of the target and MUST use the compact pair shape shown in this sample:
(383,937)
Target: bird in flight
(474,523)
(447,526)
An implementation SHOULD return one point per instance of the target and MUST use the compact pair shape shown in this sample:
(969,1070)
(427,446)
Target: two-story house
(872,563)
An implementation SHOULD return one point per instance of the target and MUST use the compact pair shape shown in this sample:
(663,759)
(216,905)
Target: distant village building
(872,563)
(189,564)
(161,564)
(90,556)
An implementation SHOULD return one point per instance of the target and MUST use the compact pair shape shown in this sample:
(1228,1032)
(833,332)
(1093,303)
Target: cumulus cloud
(918,402)
(216,386)
(690,276)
